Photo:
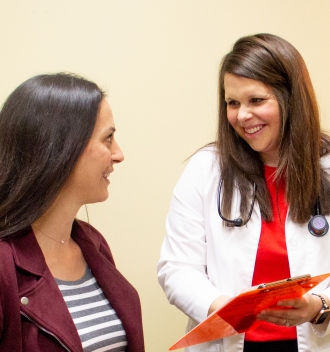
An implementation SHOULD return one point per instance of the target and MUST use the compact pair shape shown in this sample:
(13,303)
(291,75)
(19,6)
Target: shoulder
(206,154)
(204,159)
(82,228)
(6,255)
(200,174)
(4,246)
(8,278)
(87,233)
(88,237)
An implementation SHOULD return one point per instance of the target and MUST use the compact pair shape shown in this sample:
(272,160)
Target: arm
(182,269)
(1,320)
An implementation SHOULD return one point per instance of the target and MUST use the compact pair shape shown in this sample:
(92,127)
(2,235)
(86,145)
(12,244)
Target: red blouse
(272,262)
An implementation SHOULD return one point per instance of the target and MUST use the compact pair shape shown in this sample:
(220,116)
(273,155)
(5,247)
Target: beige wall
(158,60)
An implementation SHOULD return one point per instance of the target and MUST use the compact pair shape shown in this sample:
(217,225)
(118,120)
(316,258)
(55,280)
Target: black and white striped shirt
(98,325)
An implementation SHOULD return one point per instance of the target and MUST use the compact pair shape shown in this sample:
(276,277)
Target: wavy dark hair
(276,63)
(45,124)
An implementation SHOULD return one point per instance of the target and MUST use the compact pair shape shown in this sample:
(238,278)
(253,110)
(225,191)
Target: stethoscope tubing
(318,225)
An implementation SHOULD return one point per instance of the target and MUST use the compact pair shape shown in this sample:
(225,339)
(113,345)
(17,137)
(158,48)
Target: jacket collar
(37,285)
(27,252)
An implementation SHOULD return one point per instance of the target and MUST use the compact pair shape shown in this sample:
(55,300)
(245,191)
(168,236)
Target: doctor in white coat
(254,206)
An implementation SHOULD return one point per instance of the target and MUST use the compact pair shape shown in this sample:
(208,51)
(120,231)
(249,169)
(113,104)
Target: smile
(106,174)
(253,129)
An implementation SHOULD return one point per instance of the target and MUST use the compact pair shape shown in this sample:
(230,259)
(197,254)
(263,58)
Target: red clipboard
(239,314)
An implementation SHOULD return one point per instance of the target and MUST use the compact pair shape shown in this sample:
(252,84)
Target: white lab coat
(201,259)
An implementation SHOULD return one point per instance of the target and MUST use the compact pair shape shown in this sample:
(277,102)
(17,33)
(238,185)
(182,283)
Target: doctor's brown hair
(276,63)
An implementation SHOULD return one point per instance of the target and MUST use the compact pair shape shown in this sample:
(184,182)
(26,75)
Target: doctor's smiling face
(253,111)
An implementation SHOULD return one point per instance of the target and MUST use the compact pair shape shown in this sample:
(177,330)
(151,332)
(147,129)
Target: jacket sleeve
(182,269)
(1,318)
(10,322)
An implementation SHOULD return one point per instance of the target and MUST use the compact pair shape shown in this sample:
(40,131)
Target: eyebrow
(108,130)
(226,99)
(252,95)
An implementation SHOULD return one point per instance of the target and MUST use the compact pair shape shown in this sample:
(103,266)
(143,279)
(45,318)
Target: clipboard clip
(302,278)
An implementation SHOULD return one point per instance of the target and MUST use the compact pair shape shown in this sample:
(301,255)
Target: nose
(244,113)
(117,155)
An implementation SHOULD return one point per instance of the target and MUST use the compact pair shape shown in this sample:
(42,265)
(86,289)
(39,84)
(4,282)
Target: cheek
(105,154)
(232,117)
(274,120)
(101,154)
(103,158)
(270,113)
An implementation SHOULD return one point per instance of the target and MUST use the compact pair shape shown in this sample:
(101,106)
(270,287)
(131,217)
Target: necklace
(61,242)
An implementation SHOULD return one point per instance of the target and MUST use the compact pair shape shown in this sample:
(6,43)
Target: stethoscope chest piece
(318,226)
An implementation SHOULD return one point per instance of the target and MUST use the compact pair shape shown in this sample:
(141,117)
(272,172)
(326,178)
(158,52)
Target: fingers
(278,317)
(302,310)
(285,315)
(292,303)
(279,321)
(292,312)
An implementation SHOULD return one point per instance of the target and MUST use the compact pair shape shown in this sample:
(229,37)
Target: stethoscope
(318,225)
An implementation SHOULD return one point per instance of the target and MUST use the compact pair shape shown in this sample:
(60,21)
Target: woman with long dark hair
(60,289)
(254,206)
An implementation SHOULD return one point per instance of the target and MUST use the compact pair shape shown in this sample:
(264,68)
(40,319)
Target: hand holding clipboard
(239,314)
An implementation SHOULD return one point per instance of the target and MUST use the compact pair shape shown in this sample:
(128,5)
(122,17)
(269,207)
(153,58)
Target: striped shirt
(97,323)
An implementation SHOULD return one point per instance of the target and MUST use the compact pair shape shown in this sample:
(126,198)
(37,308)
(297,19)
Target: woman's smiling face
(89,180)
(254,113)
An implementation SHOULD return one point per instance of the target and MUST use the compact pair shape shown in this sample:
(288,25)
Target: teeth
(253,130)
(106,174)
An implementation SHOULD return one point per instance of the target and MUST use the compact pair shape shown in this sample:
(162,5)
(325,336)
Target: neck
(51,232)
(37,231)
(53,228)
(270,159)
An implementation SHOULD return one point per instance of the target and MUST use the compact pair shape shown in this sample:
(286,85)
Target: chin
(99,199)
(104,198)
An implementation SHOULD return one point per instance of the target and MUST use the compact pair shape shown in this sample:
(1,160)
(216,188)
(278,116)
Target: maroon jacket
(33,314)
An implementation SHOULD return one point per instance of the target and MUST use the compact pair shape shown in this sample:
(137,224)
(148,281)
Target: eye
(233,103)
(257,100)
(109,138)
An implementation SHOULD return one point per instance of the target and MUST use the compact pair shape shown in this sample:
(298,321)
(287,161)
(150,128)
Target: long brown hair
(276,63)
(45,125)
